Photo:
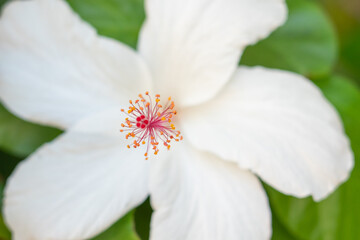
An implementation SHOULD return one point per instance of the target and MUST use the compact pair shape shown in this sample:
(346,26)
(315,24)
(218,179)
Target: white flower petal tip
(280,126)
(67,70)
(349,162)
(74,188)
(193,47)
(195,195)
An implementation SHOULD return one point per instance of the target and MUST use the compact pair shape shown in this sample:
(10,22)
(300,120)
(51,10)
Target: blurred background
(321,40)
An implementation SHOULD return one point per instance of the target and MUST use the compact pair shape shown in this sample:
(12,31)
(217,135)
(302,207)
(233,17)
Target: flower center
(150,123)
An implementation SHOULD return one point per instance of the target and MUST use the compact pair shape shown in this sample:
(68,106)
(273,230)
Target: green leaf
(142,219)
(118,19)
(338,216)
(279,230)
(350,55)
(123,229)
(4,232)
(22,138)
(2,2)
(344,15)
(306,44)
(7,164)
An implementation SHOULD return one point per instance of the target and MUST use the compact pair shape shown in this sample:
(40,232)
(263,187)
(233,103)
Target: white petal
(106,122)
(193,47)
(55,69)
(74,188)
(279,125)
(197,196)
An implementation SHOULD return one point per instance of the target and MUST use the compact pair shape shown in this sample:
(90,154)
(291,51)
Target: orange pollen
(149,123)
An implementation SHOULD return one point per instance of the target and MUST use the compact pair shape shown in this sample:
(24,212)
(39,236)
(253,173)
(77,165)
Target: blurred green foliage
(320,40)
(142,219)
(2,2)
(122,229)
(350,60)
(4,232)
(345,15)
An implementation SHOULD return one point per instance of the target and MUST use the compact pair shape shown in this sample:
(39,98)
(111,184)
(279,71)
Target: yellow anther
(128,146)
(169,98)
(163,119)
(143,142)
(157,100)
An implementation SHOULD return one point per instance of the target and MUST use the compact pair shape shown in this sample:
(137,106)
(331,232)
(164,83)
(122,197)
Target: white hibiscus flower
(237,122)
